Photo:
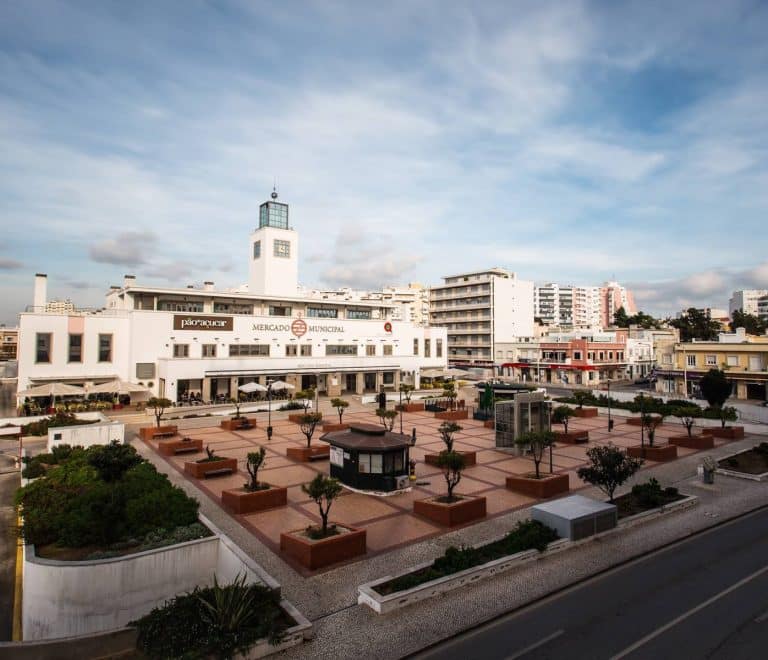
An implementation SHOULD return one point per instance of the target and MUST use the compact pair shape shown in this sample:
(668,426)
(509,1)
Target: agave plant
(230,607)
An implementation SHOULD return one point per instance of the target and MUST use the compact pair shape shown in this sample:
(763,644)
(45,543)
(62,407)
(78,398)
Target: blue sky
(570,142)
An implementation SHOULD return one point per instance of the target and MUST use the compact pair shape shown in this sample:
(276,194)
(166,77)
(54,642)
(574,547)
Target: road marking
(16,626)
(535,645)
(689,613)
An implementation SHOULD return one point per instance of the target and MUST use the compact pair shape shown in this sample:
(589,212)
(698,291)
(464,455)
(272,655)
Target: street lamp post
(401,412)
(610,421)
(642,425)
(269,413)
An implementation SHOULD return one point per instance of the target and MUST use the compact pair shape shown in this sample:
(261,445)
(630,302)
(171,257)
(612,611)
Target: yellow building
(743,358)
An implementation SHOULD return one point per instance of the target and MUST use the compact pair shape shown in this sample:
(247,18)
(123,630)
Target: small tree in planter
(308,423)
(651,422)
(159,405)
(715,388)
(447,431)
(341,405)
(687,416)
(387,417)
(561,415)
(323,491)
(452,464)
(407,391)
(537,442)
(306,397)
(727,414)
(449,392)
(236,402)
(582,397)
(254,462)
(608,468)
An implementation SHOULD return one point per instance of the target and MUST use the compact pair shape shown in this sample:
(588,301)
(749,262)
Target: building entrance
(350,382)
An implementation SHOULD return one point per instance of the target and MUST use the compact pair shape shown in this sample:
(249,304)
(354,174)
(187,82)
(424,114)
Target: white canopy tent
(249,388)
(119,387)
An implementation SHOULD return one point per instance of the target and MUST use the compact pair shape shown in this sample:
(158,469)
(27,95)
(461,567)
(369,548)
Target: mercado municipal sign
(299,327)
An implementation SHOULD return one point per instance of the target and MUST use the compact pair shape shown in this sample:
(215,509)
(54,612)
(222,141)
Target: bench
(213,473)
(164,434)
(320,457)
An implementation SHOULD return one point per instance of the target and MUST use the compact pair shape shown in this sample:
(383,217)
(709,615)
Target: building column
(741,390)
(233,387)
(333,384)
(360,389)
(206,390)
(379,381)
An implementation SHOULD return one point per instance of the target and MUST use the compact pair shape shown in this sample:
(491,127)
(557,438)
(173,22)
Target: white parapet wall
(66,598)
(86,435)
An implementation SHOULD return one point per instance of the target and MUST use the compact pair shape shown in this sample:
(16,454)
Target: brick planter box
(451,415)
(585,412)
(489,424)
(152,432)
(470,458)
(324,552)
(727,433)
(306,454)
(465,510)
(330,427)
(572,437)
(410,407)
(173,447)
(660,453)
(548,486)
(239,500)
(201,470)
(694,442)
(233,424)
(296,417)
(637,421)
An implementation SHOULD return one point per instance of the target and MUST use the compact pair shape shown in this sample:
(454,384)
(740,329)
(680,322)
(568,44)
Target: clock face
(282,250)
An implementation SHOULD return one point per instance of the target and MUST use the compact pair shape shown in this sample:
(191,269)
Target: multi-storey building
(762,307)
(208,342)
(480,309)
(9,338)
(613,296)
(746,300)
(60,306)
(744,358)
(553,304)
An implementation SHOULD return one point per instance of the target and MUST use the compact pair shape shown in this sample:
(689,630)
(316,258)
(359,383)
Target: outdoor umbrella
(53,390)
(119,387)
(248,388)
(281,385)
(275,385)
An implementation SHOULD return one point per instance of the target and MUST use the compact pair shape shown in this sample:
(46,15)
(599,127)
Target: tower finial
(274,188)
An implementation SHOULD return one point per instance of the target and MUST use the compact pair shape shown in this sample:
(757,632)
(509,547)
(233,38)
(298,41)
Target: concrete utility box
(576,517)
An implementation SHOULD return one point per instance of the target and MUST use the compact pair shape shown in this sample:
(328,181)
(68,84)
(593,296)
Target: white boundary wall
(63,599)
(86,435)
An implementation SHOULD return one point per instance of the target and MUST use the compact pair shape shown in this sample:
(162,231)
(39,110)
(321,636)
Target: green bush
(292,405)
(649,494)
(60,418)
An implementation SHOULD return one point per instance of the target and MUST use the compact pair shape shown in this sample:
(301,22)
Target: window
(370,350)
(209,350)
(666,358)
(179,306)
(279,310)
(388,377)
(75,348)
(363,314)
(377,466)
(291,350)
(387,349)
(282,249)
(364,463)
(438,348)
(690,360)
(256,249)
(427,348)
(181,350)
(249,350)
(43,347)
(232,308)
(306,350)
(577,355)
(710,360)
(322,312)
(733,361)
(416,346)
(341,349)
(105,348)
(273,214)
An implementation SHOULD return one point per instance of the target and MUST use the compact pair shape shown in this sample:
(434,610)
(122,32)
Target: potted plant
(581,397)
(308,423)
(158,406)
(535,484)
(447,431)
(716,389)
(210,465)
(661,453)
(304,398)
(318,546)
(237,421)
(562,415)
(451,413)
(451,509)
(727,414)
(255,495)
(407,391)
(687,416)
(608,468)
(340,405)
(387,418)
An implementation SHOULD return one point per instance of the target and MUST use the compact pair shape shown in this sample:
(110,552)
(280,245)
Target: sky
(572,142)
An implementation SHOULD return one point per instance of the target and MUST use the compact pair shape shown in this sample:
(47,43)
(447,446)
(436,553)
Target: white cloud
(130,248)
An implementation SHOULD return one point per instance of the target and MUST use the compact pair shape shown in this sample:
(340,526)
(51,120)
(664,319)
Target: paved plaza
(390,521)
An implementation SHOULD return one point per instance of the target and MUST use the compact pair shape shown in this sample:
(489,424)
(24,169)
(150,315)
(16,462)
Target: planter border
(685,503)
(699,442)
(763,476)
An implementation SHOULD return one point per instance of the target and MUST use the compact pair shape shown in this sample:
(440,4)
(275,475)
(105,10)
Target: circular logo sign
(299,327)
(387,327)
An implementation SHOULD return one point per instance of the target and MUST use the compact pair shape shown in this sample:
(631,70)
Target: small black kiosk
(368,457)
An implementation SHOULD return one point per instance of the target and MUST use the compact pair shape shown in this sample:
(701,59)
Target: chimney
(129,280)
(208,286)
(41,292)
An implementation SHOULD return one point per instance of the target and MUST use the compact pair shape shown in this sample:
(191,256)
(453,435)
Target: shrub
(649,494)
(292,405)
(113,460)
(59,419)
(608,468)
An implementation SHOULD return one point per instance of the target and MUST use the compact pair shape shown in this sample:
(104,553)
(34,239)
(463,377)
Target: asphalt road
(9,482)
(706,597)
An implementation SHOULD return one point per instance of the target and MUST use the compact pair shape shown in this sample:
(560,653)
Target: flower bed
(585,412)
(646,497)
(237,423)
(470,458)
(151,432)
(464,509)
(240,500)
(296,417)
(205,467)
(703,441)
(548,486)
(750,463)
(727,433)
(658,453)
(346,543)
(173,447)
(452,415)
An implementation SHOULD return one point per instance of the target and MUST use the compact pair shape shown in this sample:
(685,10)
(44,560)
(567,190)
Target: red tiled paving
(390,520)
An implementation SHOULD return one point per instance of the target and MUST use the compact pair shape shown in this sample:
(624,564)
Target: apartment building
(613,296)
(746,300)
(553,304)
(479,310)
(9,339)
(762,307)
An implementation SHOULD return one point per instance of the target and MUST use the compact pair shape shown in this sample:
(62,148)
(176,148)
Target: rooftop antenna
(274,188)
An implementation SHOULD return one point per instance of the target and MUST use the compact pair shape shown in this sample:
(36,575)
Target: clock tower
(274,266)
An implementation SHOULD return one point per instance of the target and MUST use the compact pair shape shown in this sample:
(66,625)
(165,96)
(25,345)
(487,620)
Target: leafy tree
(728,414)
(715,388)
(306,396)
(323,491)
(537,442)
(341,405)
(308,423)
(608,468)
(452,464)
(449,392)
(387,417)
(487,399)
(695,324)
(754,325)
(447,431)
(112,461)
(407,391)
(159,405)
(620,318)
(561,415)
(651,422)
(582,397)
(687,416)
(254,462)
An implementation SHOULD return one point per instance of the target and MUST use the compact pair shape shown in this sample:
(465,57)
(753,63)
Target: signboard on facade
(337,456)
(188,322)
